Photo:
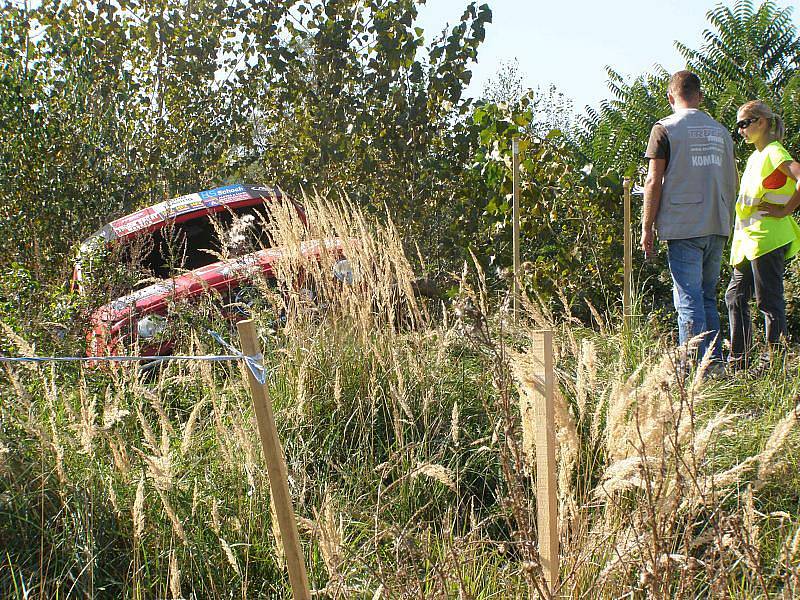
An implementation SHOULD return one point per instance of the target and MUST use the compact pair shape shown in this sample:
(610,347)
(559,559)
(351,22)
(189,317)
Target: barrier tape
(254,363)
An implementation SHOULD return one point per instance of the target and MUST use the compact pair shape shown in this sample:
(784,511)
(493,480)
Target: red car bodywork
(117,320)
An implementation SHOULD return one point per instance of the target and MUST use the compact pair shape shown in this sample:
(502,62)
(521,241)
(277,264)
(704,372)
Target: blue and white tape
(254,363)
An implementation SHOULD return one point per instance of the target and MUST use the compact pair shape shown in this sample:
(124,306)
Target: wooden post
(276,468)
(546,493)
(627,258)
(515,220)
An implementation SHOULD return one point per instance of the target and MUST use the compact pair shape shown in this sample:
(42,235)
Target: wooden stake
(627,251)
(546,497)
(515,219)
(276,468)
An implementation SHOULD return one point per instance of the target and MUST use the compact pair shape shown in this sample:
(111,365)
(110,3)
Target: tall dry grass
(409,453)
(658,516)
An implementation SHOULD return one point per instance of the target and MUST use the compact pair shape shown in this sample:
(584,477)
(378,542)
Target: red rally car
(197,222)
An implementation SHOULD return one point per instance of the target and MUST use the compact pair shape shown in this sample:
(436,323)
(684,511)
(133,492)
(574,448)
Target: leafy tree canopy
(748,52)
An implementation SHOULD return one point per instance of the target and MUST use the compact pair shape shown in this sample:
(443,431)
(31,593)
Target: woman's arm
(790,168)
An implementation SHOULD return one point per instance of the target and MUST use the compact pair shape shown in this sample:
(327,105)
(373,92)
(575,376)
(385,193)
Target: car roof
(183,208)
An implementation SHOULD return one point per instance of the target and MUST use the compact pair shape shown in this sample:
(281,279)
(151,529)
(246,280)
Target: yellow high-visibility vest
(755,232)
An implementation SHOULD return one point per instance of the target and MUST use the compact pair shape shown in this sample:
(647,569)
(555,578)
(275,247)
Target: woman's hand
(790,168)
(774,210)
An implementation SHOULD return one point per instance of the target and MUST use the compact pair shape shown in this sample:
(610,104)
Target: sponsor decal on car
(181,205)
(223,195)
(138,220)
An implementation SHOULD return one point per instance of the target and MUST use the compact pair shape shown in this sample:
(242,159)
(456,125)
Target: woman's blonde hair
(757,108)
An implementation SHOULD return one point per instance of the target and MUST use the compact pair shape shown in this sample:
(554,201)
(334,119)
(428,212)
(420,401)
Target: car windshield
(198,242)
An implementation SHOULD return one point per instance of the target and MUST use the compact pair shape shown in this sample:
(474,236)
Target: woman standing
(765,234)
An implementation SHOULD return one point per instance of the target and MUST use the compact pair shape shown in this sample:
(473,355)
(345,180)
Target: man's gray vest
(699,191)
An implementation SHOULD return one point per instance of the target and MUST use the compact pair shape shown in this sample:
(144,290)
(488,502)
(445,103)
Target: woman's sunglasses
(745,123)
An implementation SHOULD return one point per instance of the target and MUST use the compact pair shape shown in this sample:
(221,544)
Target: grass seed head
(119,454)
(438,472)
(138,511)
(177,526)
(188,430)
(174,576)
(230,556)
(768,463)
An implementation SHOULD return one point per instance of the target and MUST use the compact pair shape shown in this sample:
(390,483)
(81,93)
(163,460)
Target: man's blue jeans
(695,264)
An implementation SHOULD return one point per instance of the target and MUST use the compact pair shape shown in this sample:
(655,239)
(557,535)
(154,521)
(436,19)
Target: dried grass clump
(327,528)
(428,438)
(659,510)
(381,294)
(529,375)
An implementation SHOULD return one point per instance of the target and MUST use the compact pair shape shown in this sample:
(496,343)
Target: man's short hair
(684,84)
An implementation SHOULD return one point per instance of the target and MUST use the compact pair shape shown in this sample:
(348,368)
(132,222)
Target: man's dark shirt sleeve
(658,144)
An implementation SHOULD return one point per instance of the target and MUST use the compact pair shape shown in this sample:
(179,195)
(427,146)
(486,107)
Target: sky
(570,43)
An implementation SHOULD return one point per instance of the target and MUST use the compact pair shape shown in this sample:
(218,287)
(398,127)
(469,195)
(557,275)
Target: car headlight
(343,271)
(150,326)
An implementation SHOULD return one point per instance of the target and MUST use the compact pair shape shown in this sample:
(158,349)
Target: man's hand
(651,204)
(648,242)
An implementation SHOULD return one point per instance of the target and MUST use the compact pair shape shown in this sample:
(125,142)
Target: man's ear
(670,98)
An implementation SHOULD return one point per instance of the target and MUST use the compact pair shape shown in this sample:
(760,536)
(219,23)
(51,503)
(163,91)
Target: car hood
(216,276)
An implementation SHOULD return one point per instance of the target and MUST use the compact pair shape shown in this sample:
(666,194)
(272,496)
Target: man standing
(689,199)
